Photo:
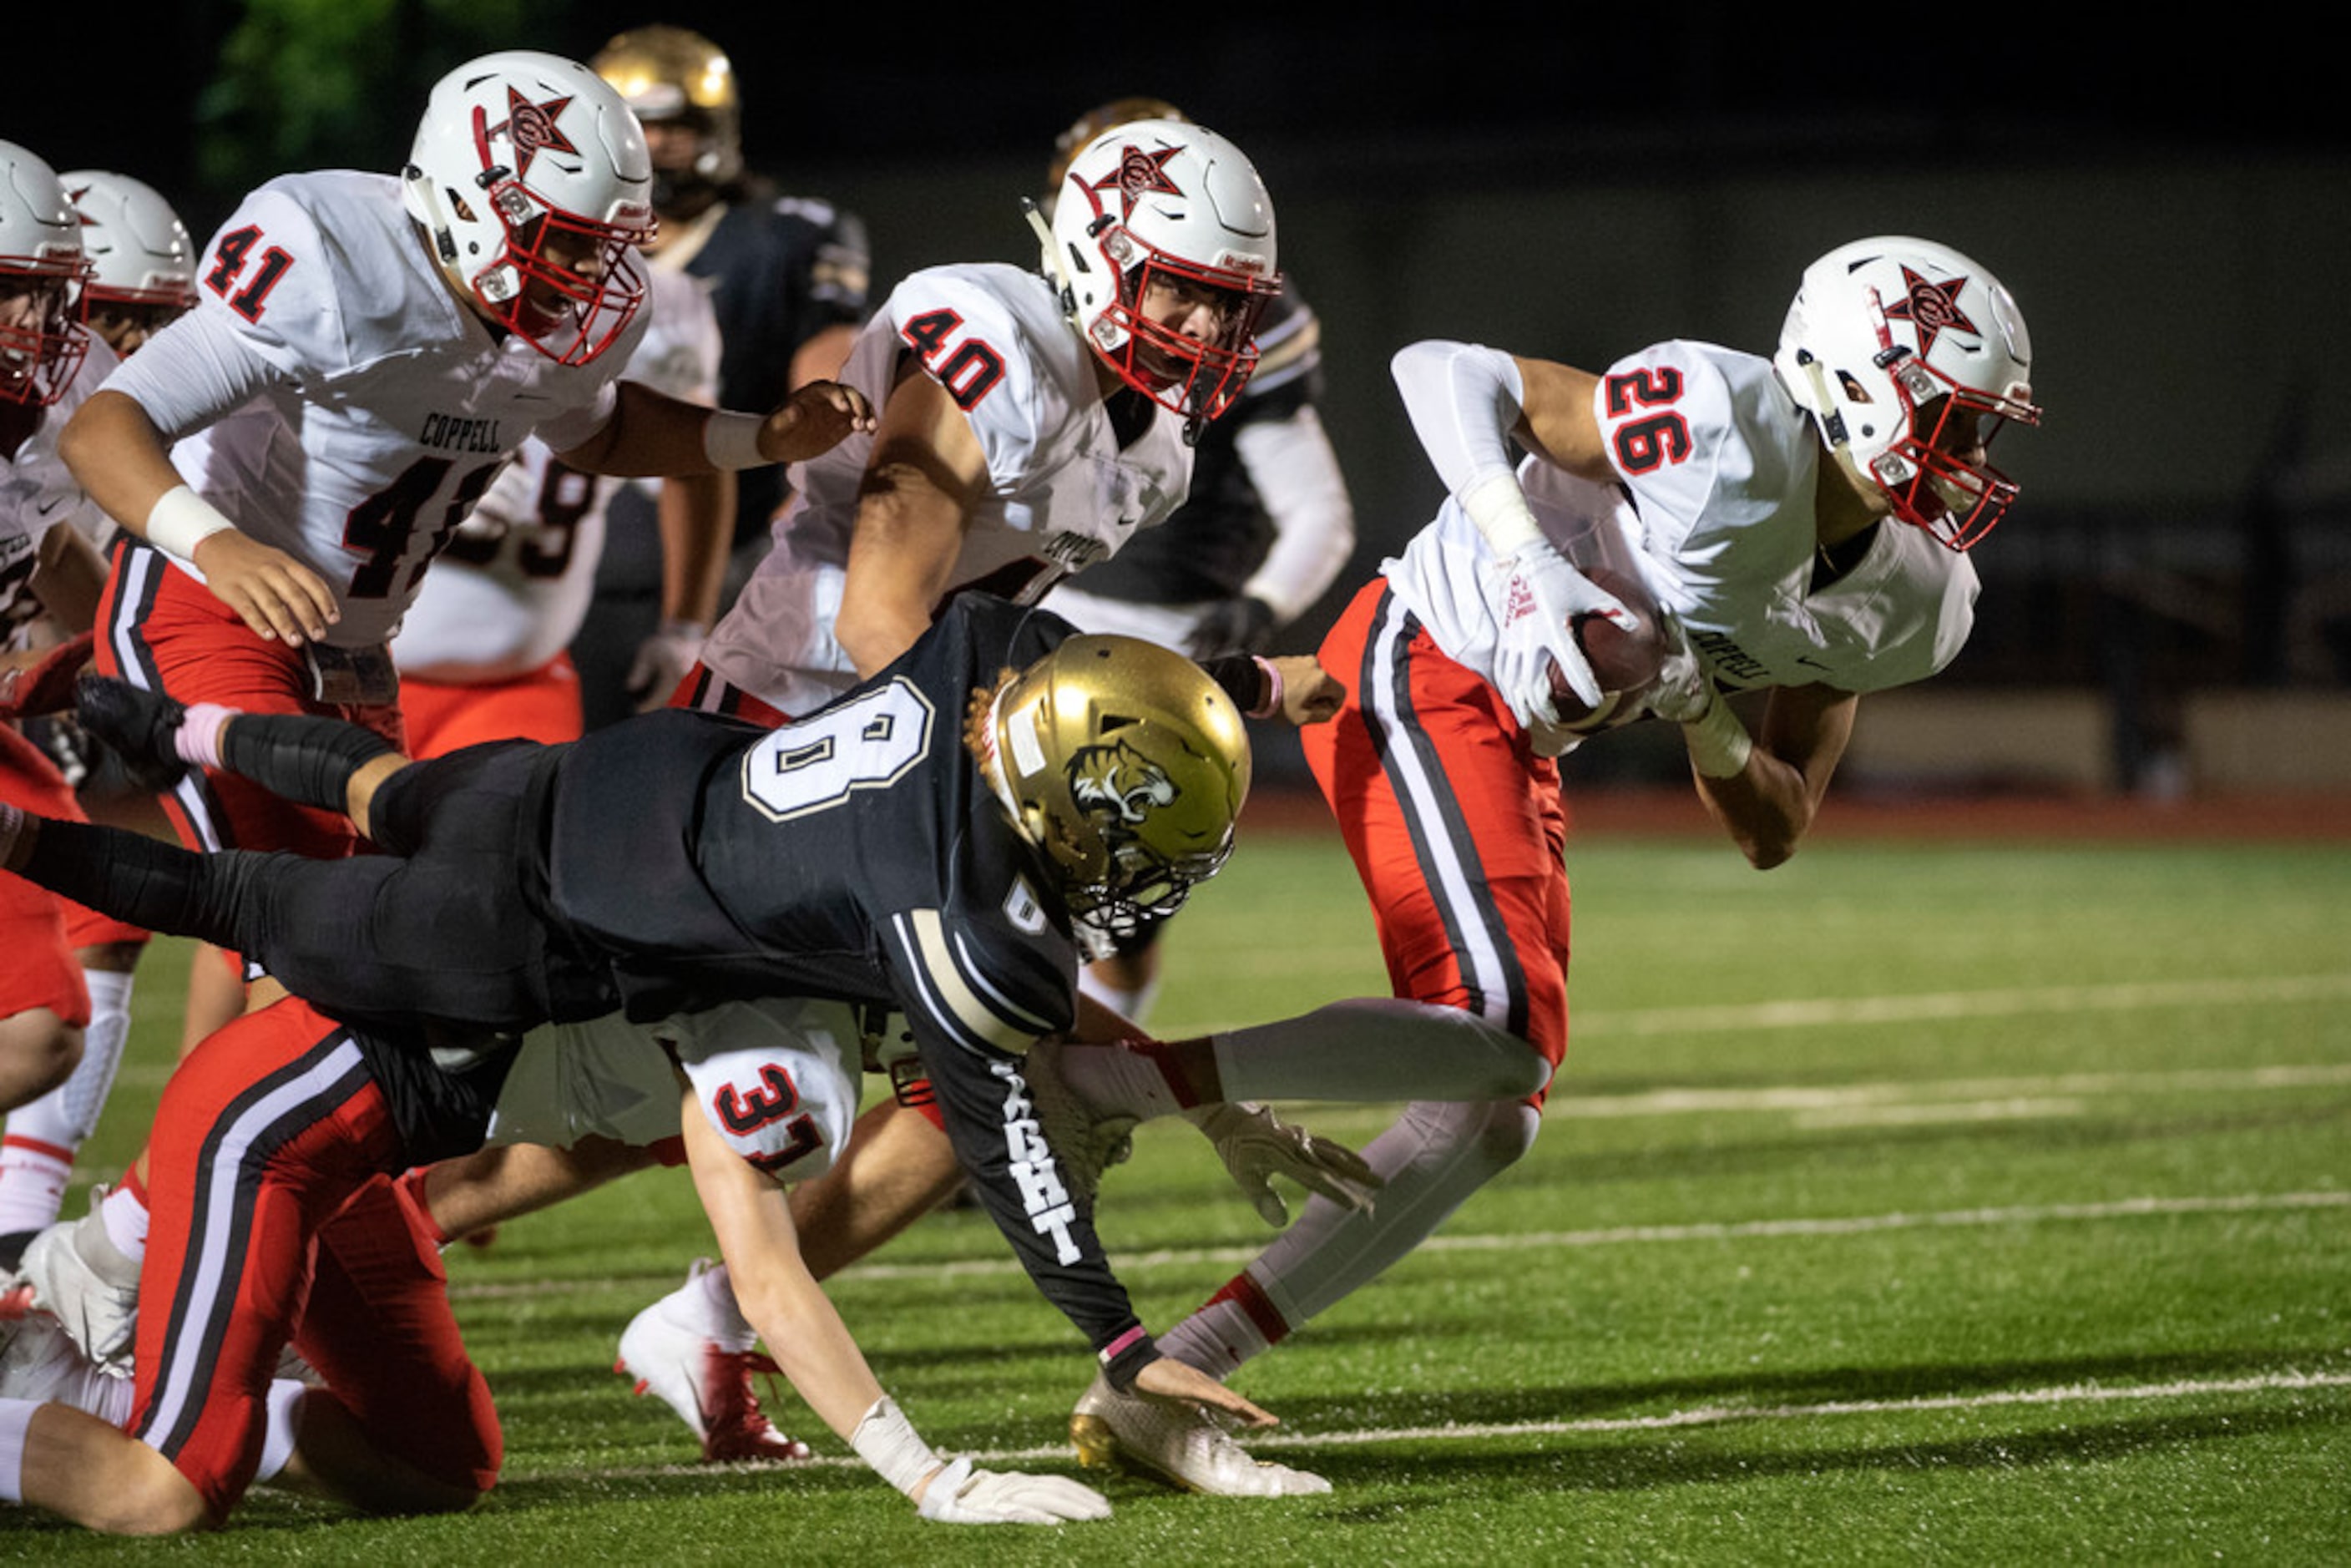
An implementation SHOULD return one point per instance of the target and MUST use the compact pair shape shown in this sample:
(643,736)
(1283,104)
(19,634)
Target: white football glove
(1536,597)
(1255,1146)
(961,1495)
(1683,690)
(662,661)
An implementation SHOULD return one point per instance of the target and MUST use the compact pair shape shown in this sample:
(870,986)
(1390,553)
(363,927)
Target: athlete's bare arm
(920,484)
(772,1285)
(1557,423)
(119,457)
(1769,805)
(652,433)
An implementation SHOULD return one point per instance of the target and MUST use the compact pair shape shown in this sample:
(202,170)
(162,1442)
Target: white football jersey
(36,494)
(1713,508)
(512,586)
(333,398)
(1060,494)
(779,1079)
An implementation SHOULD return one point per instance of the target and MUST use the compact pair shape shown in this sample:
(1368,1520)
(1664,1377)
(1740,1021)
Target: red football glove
(47,686)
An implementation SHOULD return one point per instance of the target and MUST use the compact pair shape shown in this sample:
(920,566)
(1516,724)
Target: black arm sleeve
(992,1123)
(1243,680)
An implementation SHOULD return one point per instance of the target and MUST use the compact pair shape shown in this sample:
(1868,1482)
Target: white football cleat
(78,1274)
(40,1363)
(674,1351)
(1085,1140)
(1178,1443)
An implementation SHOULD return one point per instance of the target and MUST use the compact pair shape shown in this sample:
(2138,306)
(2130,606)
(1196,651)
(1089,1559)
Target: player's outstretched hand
(277,597)
(1168,1378)
(814,421)
(962,1495)
(1310,693)
(1256,1147)
(44,682)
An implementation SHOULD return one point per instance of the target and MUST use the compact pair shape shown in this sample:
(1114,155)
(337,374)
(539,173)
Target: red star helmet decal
(73,199)
(1931,308)
(531,128)
(1139,173)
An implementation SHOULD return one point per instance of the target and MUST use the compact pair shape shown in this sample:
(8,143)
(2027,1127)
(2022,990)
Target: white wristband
(886,1440)
(1718,744)
(181,521)
(1498,507)
(731,440)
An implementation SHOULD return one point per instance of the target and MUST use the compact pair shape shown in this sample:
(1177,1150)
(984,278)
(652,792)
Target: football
(1625,659)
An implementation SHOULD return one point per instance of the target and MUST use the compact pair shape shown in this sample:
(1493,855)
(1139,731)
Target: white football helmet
(142,264)
(1161,203)
(42,274)
(530,177)
(1910,358)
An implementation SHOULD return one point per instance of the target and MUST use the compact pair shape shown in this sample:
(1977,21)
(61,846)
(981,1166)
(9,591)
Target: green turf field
(1912,1203)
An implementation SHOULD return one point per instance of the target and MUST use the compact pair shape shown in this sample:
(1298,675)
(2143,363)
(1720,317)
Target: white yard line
(1816,1012)
(1672,1420)
(1617,1235)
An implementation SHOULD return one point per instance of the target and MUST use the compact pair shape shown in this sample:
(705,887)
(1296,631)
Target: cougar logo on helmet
(532,128)
(1117,785)
(1932,307)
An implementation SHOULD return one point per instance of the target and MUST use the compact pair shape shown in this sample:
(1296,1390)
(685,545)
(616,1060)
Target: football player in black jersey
(787,278)
(932,842)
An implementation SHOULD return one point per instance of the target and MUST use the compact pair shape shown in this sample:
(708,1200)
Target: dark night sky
(1702,83)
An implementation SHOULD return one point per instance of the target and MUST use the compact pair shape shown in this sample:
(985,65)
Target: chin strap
(1051,262)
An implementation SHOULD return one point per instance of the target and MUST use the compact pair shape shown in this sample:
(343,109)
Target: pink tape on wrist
(1271,705)
(198,742)
(1125,1342)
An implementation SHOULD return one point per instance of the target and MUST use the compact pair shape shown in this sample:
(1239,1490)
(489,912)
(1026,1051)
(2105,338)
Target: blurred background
(2168,612)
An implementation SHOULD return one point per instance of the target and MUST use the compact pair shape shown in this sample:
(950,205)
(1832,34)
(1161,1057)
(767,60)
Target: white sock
(33,1175)
(283,1425)
(36,1154)
(1433,1159)
(125,1218)
(729,1329)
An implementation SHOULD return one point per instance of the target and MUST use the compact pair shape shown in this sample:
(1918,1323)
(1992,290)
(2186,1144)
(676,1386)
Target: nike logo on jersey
(448,434)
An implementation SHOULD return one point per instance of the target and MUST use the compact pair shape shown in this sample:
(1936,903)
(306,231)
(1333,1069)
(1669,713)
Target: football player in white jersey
(143,263)
(1801,519)
(366,354)
(64,985)
(482,653)
(1263,534)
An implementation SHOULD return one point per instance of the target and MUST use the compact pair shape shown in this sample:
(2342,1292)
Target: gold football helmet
(667,74)
(1127,765)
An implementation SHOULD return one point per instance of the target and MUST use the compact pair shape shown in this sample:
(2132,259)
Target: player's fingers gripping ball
(1627,654)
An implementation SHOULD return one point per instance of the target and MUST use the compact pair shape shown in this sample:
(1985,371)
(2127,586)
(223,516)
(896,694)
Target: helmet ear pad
(1910,358)
(1127,765)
